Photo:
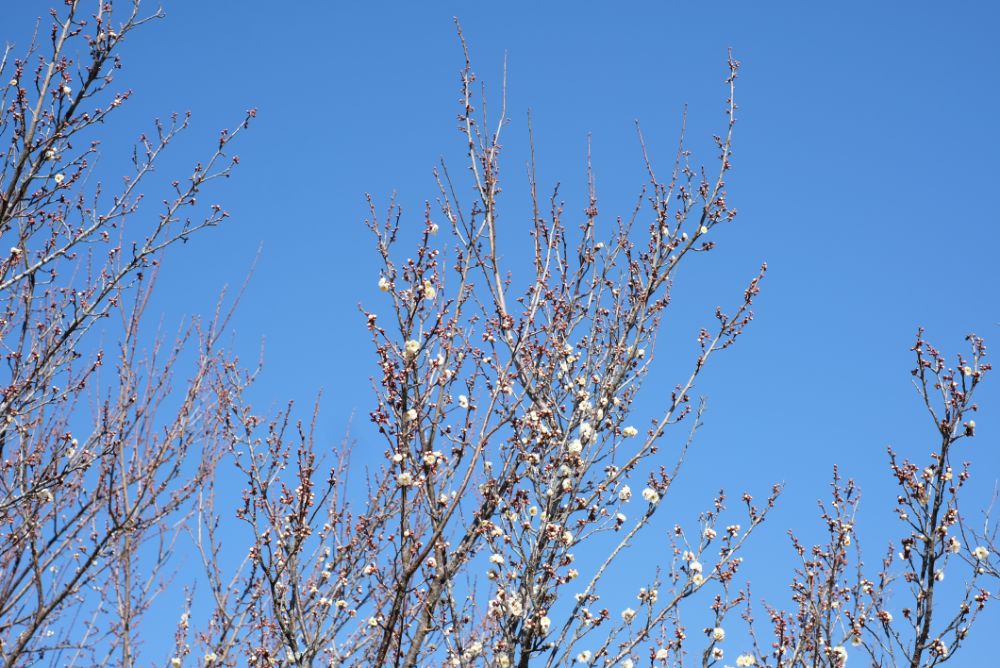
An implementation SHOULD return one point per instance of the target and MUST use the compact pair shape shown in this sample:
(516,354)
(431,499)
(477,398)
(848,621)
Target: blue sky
(863,174)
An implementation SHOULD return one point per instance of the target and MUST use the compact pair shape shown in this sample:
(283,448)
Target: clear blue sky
(863,174)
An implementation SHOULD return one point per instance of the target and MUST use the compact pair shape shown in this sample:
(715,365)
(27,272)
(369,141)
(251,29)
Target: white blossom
(543,624)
